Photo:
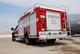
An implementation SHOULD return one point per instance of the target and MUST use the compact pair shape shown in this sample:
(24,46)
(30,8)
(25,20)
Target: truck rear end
(52,24)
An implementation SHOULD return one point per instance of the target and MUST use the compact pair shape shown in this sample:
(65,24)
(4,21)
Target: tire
(27,40)
(51,41)
(13,37)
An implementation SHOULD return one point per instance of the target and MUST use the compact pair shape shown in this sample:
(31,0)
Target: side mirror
(12,29)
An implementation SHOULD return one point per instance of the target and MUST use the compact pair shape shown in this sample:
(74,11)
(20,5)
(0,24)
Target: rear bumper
(46,36)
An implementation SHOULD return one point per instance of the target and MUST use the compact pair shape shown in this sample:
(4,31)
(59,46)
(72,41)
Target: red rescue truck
(41,23)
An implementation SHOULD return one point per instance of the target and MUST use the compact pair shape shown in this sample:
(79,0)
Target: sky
(11,10)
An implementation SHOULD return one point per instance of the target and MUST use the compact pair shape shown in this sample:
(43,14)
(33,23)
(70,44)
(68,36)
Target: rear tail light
(43,29)
(43,26)
(42,16)
(64,27)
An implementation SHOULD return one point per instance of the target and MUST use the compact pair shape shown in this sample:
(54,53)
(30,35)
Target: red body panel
(64,21)
(40,20)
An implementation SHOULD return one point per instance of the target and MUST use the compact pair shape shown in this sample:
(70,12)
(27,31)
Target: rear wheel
(51,41)
(29,40)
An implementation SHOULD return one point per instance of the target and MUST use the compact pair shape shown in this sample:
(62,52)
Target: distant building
(75,23)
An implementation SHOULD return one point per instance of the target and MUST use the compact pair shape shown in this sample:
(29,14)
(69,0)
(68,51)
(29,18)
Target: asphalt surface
(66,46)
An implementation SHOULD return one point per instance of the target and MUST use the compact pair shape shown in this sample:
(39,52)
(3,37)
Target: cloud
(22,3)
(25,3)
(72,6)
